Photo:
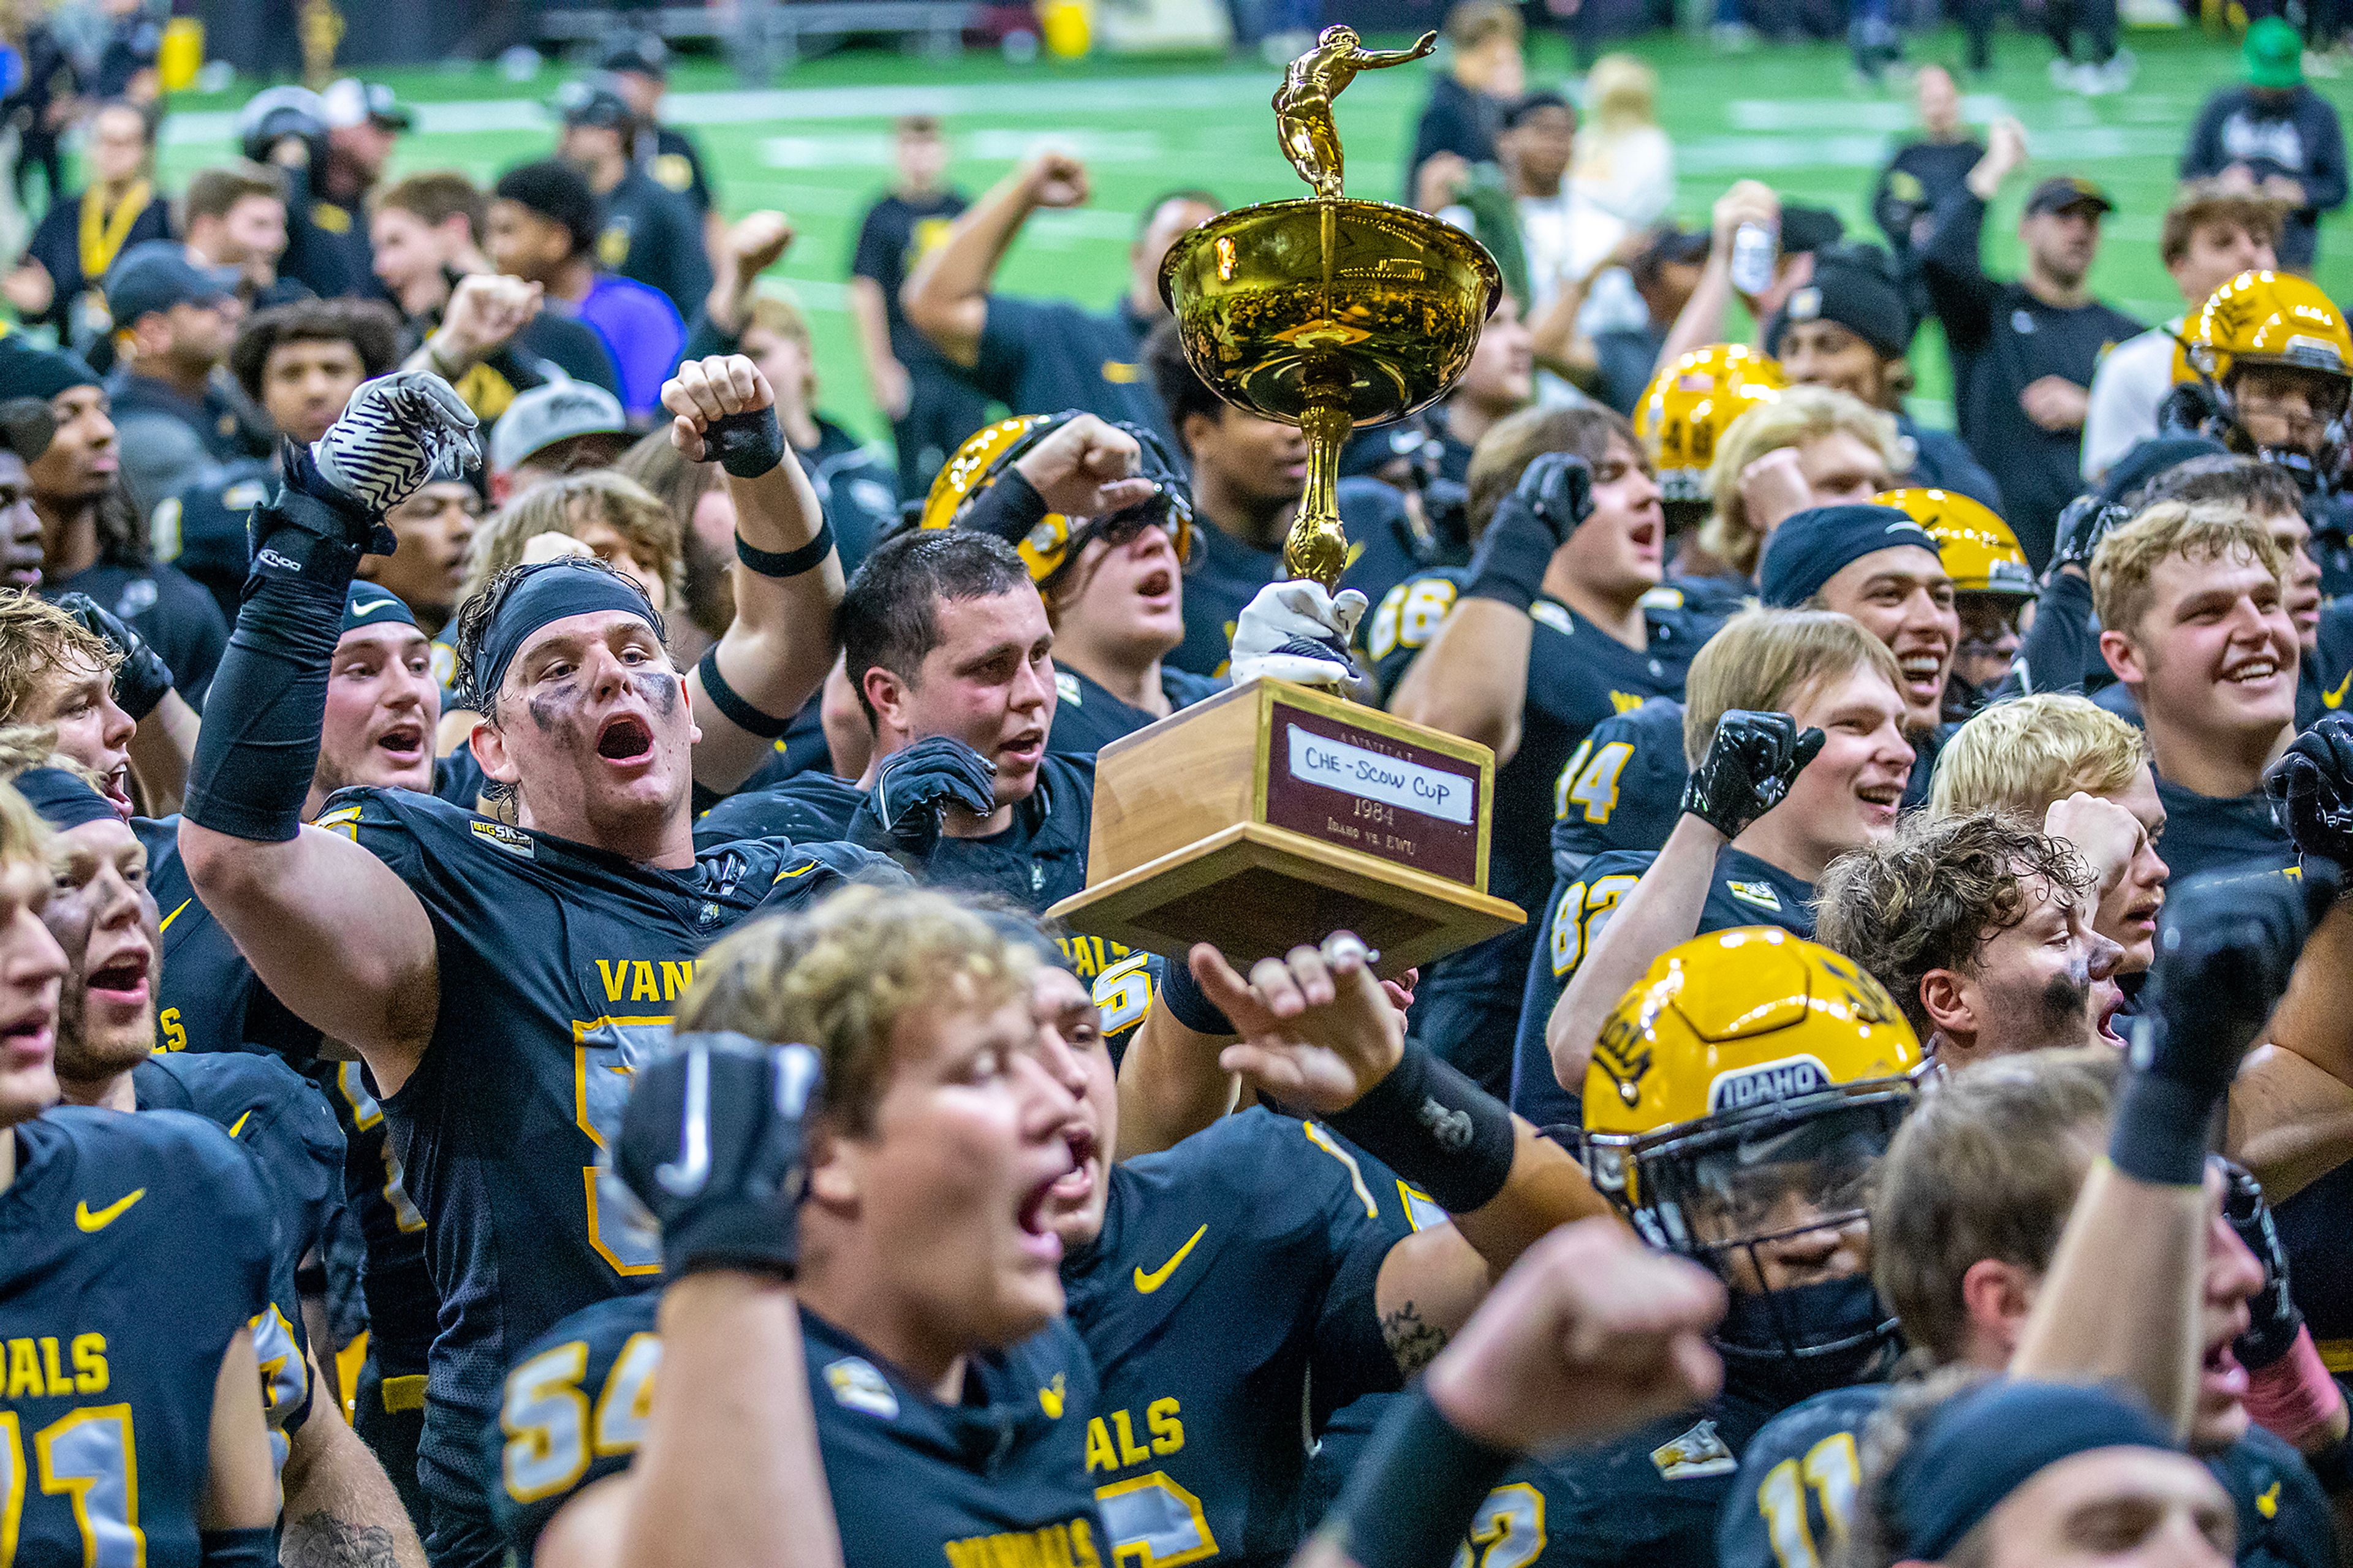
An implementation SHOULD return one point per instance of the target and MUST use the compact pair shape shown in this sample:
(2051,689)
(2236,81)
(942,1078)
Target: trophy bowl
(1361,307)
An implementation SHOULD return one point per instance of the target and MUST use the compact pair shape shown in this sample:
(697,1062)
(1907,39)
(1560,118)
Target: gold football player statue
(1303,104)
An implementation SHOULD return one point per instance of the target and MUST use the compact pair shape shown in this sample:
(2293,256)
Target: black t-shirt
(1456,119)
(2210,833)
(1916,182)
(651,235)
(1042,356)
(56,246)
(676,164)
(895,234)
(2002,339)
(327,248)
(167,608)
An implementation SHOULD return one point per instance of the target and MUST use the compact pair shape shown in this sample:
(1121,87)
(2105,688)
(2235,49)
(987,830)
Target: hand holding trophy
(1274,813)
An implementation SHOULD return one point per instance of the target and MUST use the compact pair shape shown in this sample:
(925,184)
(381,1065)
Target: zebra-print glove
(398,432)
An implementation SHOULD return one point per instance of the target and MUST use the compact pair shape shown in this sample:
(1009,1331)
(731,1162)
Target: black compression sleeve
(260,745)
(1410,1501)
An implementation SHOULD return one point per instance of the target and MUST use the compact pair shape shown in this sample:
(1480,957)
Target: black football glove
(2274,1318)
(142,678)
(914,786)
(1555,494)
(2313,784)
(2086,521)
(1749,766)
(711,1144)
(2225,948)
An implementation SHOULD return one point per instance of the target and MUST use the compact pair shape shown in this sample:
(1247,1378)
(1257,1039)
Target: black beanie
(1848,290)
(28,372)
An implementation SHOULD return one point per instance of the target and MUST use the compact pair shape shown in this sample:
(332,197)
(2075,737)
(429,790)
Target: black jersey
(1650,1500)
(2214,833)
(1746,891)
(1794,1496)
(132,1248)
(1087,717)
(1578,674)
(283,1124)
(207,998)
(813,807)
(559,965)
(998,1478)
(1228,1306)
(397,1282)
(1623,788)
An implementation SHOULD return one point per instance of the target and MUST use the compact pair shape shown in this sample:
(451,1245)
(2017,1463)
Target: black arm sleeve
(1954,271)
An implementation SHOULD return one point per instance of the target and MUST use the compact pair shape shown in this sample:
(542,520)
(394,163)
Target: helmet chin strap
(1789,1344)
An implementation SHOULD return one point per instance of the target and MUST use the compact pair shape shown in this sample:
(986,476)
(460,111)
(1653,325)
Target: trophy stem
(1316,547)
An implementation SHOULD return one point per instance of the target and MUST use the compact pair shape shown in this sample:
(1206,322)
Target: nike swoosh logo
(99,1221)
(238,1126)
(1145,1284)
(185,902)
(2337,699)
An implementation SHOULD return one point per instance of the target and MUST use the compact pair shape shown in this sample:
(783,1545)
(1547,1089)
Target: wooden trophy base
(1273,814)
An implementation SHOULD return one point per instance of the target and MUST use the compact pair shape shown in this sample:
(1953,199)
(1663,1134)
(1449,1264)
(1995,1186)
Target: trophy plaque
(1274,814)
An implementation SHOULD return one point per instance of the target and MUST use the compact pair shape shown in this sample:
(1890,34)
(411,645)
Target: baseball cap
(640,54)
(2060,192)
(556,411)
(1814,545)
(591,100)
(2273,53)
(352,101)
(156,275)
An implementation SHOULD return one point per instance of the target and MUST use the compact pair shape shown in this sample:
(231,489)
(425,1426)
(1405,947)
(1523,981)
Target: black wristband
(1436,1127)
(2162,1128)
(731,702)
(788,563)
(256,759)
(255,1548)
(746,445)
(1009,507)
(1188,1003)
(1409,1501)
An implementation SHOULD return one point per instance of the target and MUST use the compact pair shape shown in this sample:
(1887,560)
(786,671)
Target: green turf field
(817,147)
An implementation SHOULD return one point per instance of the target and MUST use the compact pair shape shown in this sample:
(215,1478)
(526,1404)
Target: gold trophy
(1273,814)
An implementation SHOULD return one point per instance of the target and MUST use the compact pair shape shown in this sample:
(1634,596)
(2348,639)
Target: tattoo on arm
(323,1540)
(1412,1339)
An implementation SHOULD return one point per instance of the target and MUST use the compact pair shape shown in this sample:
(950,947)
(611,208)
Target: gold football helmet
(1047,546)
(1690,405)
(1738,1105)
(1981,554)
(2265,317)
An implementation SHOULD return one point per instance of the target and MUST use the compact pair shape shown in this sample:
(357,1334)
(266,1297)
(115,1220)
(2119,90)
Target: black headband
(549,594)
(63,801)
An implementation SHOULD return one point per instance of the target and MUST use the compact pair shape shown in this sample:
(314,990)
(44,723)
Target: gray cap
(545,415)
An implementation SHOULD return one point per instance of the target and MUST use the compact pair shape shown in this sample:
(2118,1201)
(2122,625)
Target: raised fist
(1749,766)
(711,1144)
(723,411)
(397,432)
(2313,784)
(2224,953)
